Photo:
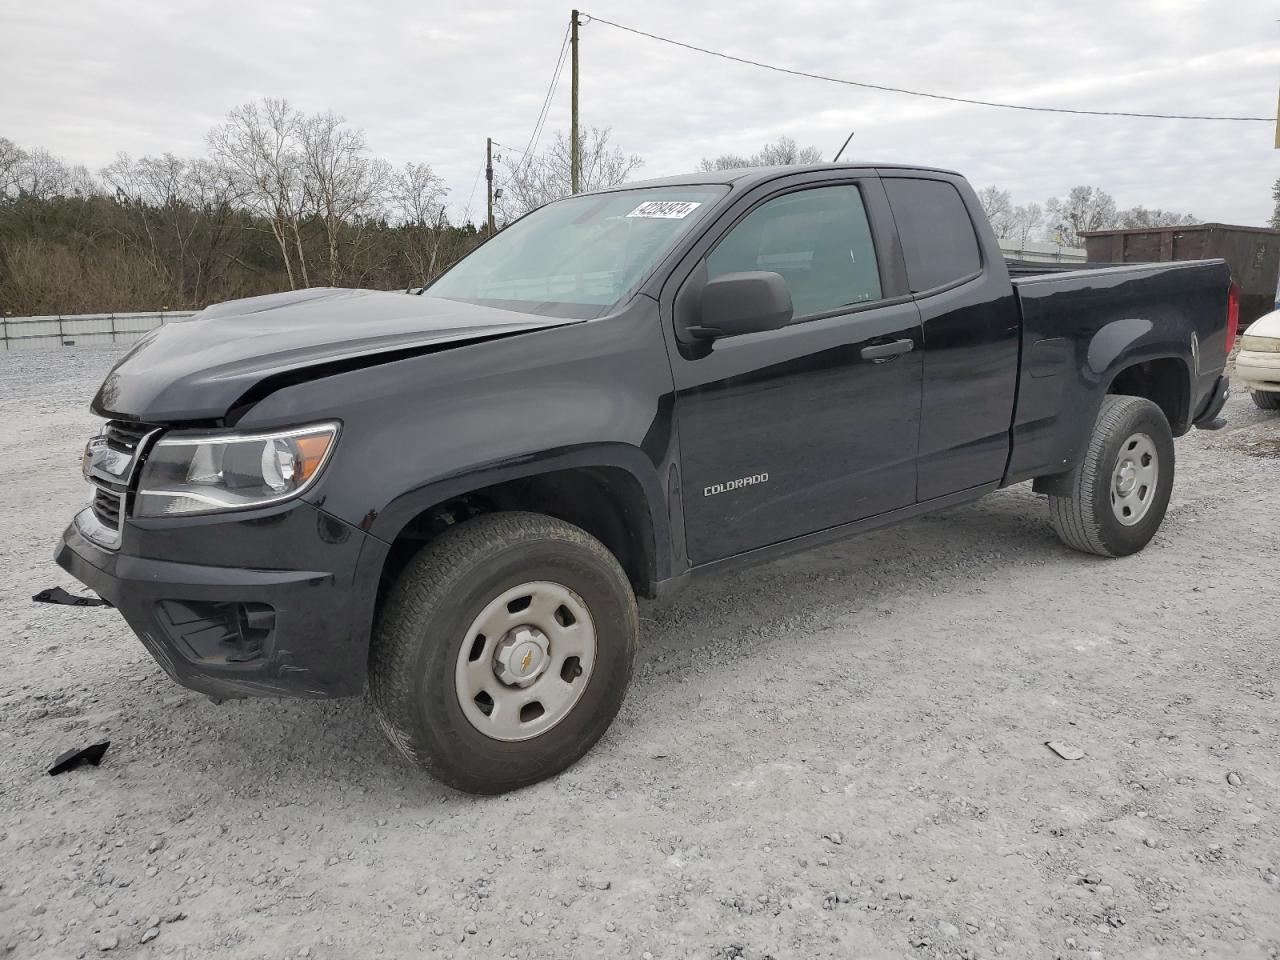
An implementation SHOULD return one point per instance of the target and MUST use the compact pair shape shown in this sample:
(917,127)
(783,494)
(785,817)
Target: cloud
(430,82)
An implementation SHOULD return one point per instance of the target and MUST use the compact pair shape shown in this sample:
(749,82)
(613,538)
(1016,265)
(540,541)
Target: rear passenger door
(787,432)
(970,327)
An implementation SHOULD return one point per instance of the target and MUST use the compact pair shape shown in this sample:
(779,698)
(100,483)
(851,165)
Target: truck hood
(230,354)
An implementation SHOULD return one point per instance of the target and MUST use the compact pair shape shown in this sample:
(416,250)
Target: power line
(466,212)
(917,93)
(532,157)
(546,101)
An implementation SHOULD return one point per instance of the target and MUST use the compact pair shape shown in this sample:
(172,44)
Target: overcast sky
(428,81)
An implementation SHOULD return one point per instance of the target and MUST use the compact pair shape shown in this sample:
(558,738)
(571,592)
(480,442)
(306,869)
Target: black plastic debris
(73,758)
(58,595)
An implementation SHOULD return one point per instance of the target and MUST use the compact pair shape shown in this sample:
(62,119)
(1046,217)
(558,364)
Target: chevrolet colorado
(450,500)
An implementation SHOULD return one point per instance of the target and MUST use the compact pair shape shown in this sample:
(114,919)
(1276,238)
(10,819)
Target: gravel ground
(837,755)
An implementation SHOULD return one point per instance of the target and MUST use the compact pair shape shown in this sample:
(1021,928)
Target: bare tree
(418,195)
(998,206)
(346,185)
(260,143)
(1025,222)
(726,161)
(180,216)
(11,156)
(1086,208)
(1140,216)
(143,186)
(782,152)
(179,232)
(39,175)
(528,184)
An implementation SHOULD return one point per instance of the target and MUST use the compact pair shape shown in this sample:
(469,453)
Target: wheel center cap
(521,656)
(1126,478)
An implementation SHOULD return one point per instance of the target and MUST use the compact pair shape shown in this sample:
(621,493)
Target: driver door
(788,432)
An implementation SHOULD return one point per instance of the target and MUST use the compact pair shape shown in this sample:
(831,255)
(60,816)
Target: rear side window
(937,235)
(817,239)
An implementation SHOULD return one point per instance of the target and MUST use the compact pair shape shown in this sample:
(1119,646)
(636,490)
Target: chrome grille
(112,460)
(107,507)
(124,435)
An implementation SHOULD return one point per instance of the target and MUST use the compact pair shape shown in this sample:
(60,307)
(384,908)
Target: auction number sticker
(665,209)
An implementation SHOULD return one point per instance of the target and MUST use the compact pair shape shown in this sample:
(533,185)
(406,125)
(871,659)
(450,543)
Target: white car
(1258,362)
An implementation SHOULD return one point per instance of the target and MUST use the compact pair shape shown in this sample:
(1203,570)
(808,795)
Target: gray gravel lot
(837,755)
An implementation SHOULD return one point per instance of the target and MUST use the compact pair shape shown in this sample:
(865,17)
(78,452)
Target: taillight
(1233,315)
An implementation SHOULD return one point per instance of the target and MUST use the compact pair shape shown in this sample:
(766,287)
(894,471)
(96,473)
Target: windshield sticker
(665,209)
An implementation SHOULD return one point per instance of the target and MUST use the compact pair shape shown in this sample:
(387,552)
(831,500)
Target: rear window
(938,241)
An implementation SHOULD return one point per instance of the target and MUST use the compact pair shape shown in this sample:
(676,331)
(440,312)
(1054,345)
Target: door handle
(880,352)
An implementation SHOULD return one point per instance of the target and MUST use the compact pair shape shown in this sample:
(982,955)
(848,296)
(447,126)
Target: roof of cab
(750,176)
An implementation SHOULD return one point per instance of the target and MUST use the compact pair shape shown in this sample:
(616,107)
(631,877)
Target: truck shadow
(864,574)
(808,591)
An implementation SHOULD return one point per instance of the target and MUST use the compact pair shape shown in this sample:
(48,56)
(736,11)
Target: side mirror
(739,303)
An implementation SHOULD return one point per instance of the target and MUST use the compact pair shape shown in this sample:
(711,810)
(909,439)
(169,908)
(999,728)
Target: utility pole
(488,175)
(575,150)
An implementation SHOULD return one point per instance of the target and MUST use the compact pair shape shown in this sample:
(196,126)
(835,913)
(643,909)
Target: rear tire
(1265,399)
(1117,495)
(425,643)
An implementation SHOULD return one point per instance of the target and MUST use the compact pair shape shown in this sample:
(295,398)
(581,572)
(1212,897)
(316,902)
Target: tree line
(1063,221)
(283,199)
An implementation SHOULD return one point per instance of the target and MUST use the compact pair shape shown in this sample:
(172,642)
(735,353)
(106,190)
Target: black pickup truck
(450,500)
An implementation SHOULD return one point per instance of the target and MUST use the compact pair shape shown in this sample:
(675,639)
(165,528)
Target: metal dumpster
(1252,253)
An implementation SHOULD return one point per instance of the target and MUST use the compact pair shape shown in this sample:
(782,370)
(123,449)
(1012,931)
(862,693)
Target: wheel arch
(1165,380)
(1122,364)
(604,491)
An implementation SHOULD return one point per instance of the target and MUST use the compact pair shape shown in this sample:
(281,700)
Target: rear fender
(1062,391)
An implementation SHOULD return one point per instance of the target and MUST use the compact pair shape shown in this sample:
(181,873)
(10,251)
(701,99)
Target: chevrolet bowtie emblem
(527,659)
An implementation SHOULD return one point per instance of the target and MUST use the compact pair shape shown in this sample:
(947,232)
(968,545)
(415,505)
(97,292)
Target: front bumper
(1259,371)
(274,603)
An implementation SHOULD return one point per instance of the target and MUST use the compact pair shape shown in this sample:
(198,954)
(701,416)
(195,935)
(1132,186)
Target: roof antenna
(845,144)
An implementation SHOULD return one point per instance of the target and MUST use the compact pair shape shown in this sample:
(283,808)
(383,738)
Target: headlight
(209,472)
(1260,344)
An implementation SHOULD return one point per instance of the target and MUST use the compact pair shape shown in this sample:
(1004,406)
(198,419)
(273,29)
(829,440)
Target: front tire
(503,651)
(1265,399)
(1116,497)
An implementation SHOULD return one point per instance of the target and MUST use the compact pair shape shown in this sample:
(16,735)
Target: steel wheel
(1133,481)
(525,661)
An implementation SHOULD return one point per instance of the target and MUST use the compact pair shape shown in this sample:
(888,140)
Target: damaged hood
(202,367)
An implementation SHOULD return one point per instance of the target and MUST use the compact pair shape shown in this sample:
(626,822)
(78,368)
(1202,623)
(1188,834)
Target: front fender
(632,461)
(423,430)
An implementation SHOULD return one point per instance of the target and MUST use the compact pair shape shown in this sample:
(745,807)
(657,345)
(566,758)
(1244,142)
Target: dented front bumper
(276,602)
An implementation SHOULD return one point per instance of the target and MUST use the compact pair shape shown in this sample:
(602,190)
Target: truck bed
(1035,268)
(1077,325)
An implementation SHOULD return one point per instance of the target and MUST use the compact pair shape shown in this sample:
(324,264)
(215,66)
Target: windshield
(577,257)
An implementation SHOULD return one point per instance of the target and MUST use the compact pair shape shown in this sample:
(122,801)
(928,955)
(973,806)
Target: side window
(937,235)
(818,240)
